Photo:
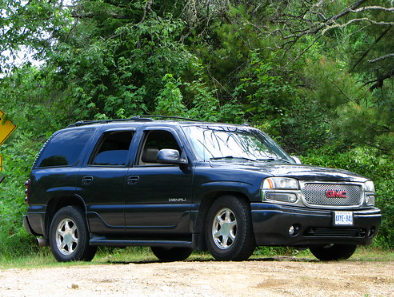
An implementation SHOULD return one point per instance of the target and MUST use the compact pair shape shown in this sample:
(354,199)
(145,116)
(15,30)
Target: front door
(158,197)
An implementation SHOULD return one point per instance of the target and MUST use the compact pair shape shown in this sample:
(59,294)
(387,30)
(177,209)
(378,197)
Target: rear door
(102,182)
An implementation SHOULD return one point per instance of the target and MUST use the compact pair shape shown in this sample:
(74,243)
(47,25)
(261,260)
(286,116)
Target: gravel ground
(281,276)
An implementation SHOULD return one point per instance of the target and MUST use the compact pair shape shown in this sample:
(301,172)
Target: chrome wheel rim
(224,229)
(67,237)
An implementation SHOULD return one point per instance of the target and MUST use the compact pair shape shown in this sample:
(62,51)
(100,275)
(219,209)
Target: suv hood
(308,173)
(300,172)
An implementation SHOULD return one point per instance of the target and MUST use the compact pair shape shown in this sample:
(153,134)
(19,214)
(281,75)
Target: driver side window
(154,142)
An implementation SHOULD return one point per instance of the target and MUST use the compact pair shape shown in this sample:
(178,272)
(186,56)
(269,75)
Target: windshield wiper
(231,158)
(273,160)
(269,159)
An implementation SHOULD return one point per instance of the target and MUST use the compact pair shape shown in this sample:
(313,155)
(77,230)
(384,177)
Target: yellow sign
(6,128)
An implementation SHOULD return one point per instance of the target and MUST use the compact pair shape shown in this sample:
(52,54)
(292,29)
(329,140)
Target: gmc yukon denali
(178,186)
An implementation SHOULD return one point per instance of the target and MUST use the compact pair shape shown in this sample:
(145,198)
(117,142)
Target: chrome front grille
(330,194)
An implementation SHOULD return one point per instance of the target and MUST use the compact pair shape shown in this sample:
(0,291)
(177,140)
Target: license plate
(343,218)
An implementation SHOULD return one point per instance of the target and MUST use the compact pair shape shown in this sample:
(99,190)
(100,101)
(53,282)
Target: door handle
(132,180)
(87,180)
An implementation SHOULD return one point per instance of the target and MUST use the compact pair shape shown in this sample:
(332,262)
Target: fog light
(281,196)
(294,230)
(291,230)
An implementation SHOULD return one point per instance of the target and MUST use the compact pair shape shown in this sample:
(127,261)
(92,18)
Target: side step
(139,242)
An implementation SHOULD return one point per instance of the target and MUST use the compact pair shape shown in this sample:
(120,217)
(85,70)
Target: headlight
(370,200)
(369,186)
(280,183)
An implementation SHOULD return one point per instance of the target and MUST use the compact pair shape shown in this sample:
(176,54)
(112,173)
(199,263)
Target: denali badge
(177,200)
(335,194)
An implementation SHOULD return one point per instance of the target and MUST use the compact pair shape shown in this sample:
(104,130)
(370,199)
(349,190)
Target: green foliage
(170,98)
(330,83)
(29,25)
(267,91)
(202,103)
(17,160)
(14,240)
(355,114)
(36,121)
(122,75)
(205,105)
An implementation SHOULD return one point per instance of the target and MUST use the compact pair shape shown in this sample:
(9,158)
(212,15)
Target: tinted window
(64,148)
(113,149)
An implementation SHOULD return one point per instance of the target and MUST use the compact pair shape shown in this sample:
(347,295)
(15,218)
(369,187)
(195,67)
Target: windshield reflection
(233,144)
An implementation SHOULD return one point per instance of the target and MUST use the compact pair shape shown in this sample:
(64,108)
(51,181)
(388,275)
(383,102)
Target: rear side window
(64,148)
(113,149)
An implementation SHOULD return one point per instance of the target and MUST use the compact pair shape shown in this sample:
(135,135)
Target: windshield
(232,143)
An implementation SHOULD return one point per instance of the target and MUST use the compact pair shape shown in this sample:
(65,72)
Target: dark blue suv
(178,186)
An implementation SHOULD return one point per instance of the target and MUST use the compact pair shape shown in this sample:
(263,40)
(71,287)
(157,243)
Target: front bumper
(310,227)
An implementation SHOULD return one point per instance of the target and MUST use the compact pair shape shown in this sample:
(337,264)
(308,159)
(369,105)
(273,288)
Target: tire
(333,252)
(69,236)
(171,254)
(228,229)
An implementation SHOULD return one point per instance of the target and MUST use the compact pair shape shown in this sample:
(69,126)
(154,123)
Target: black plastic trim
(138,242)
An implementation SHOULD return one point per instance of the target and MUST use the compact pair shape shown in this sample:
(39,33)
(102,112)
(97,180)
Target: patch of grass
(138,254)
(124,255)
(43,258)
(269,252)
(372,254)
(363,253)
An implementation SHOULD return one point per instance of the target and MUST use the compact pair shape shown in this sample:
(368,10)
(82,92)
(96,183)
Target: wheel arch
(205,204)
(56,203)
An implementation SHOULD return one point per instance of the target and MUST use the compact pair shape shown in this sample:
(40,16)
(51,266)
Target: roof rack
(144,118)
(90,122)
(171,117)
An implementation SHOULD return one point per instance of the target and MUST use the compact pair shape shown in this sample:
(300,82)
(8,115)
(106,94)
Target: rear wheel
(228,230)
(333,252)
(171,254)
(69,236)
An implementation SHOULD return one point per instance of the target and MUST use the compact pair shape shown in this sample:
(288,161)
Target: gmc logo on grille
(335,194)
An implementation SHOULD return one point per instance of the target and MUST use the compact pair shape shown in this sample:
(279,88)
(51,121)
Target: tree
(29,28)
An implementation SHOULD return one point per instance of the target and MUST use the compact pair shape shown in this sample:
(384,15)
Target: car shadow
(197,259)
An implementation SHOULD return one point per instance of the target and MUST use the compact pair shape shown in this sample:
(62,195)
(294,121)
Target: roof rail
(144,118)
(171,117)
(90,122)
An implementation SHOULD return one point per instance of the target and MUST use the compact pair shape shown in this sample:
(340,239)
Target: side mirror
(170,156)
(296,160)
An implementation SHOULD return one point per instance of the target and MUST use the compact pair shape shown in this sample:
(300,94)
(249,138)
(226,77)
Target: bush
(14,240)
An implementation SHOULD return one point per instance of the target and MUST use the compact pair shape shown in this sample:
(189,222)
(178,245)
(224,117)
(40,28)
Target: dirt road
(266,277)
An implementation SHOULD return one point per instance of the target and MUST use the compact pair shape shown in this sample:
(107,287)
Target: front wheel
(228,229)
(69,236)
(333,252)
(171,254)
